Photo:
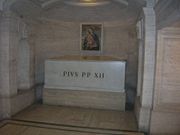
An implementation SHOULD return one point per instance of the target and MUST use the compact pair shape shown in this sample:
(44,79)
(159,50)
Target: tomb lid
(87,58)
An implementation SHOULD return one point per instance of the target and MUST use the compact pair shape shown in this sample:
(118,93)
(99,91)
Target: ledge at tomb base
(87,99)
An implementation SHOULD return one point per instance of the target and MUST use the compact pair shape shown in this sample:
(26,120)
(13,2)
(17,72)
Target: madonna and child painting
(91,37)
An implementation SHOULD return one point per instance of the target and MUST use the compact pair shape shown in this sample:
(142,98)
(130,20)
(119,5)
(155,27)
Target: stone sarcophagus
(85,81)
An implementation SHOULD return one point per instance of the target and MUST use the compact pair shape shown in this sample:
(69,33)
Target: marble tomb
(85,81)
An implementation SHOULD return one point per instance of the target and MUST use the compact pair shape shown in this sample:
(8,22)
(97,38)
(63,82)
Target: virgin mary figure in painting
(91,40)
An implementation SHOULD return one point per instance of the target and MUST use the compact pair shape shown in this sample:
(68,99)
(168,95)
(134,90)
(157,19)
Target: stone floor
(79,117)
(58,120)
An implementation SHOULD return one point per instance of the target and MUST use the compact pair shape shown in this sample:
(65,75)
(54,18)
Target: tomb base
(84,98)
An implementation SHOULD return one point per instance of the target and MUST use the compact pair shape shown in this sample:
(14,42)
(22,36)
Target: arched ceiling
(111,10)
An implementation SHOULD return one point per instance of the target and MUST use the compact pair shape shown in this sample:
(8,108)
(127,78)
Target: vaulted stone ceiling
(114,10)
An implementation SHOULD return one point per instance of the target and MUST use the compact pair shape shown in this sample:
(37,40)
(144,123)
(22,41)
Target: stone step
(28,127)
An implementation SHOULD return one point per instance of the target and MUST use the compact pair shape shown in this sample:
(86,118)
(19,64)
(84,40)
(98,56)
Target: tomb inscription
(76,74)
(85,75)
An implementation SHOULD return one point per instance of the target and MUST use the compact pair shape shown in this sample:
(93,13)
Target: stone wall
(55,39)
(166,104)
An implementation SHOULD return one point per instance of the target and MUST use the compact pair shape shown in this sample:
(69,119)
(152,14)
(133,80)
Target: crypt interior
(135,89)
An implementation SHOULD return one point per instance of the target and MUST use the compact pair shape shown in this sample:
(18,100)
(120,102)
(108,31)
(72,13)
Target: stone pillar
(8,59)
(25,60)
(149,57)
(11,100)
(140,56)
(146,80)
(1,5)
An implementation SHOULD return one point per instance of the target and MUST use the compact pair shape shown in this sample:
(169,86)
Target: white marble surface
(76,74)
(146,72)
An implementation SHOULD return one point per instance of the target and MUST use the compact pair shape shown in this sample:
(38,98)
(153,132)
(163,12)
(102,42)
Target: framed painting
(91,37)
